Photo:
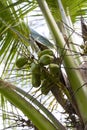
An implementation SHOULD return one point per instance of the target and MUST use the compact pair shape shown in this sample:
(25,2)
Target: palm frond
(13,29)
(75,7)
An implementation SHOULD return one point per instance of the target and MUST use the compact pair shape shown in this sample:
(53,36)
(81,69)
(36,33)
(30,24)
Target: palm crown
(39,63)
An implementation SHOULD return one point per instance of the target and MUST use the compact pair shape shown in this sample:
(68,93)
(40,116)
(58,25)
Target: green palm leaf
(75,7)
(13,29)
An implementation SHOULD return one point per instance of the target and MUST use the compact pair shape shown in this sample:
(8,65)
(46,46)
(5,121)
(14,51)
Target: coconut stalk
(74,76)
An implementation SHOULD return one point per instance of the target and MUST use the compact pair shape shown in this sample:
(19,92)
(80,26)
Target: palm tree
(49,68)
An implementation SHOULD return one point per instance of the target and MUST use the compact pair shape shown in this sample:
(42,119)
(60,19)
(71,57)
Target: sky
(1,68)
